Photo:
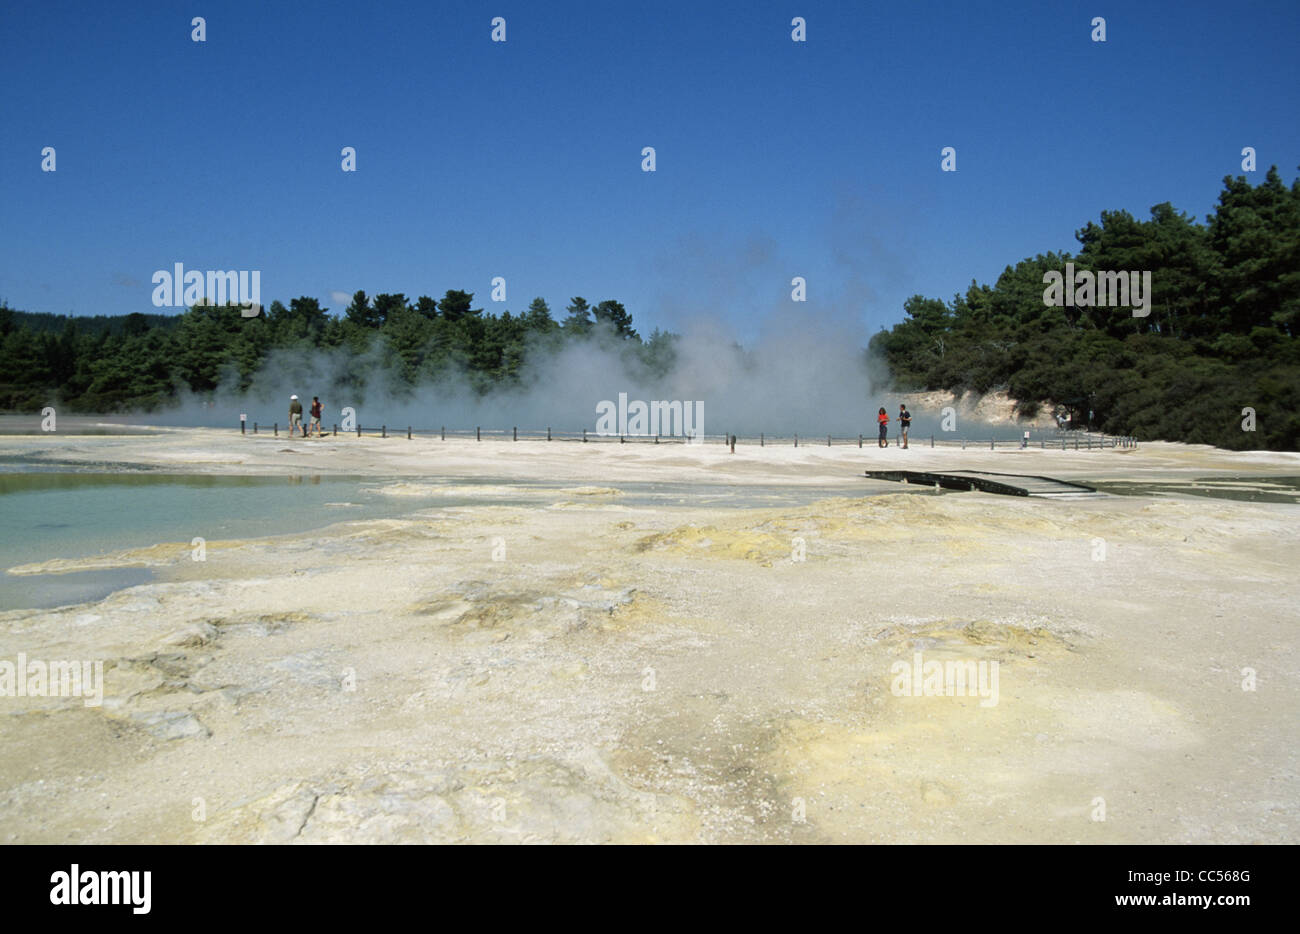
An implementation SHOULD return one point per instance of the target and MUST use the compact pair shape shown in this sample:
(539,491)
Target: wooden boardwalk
(1007,484)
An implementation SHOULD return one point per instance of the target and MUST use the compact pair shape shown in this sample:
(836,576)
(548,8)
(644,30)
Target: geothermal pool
(50,512)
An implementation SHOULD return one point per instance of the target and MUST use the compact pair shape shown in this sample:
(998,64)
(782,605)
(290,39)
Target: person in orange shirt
(883,419)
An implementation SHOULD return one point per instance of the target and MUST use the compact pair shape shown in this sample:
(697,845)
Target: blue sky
(522,159)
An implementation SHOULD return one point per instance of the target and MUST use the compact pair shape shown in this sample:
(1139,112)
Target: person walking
(295,416)
(883,420)
(904,423)
(315,416)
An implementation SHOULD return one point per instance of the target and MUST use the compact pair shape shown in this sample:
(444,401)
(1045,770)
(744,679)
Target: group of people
(295,417)
(904,423)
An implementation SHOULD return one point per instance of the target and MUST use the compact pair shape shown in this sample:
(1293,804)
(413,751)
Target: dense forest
(139,361)
(1220,335)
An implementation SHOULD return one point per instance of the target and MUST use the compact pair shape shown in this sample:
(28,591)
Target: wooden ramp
(1007,484)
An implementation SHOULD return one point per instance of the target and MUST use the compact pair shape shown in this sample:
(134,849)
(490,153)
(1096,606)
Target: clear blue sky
(522,159)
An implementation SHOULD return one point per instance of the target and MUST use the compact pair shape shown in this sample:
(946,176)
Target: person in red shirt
(315,415)
(883,419)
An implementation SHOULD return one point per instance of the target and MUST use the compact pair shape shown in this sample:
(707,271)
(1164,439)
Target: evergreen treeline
(1220,335)
(142,361)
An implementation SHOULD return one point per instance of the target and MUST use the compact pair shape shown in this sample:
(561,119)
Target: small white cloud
(340,298)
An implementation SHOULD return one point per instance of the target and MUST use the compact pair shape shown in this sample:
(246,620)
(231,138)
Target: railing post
(991,443)
(760,439)
(584,436)
(444,432)
(478,433)
(383,431)
(277,429)
(336,431)
(828,440)
(859,440)
(408,432)
(254,427)
(796,440)
(931,440)
(241,426)
(733,444)
(358,429)
(548,432)
(516,434)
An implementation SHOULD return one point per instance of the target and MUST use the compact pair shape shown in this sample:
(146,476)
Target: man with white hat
(295,416)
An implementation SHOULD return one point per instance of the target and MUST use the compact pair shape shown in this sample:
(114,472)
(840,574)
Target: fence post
(241,426)
(383,431)
(931,440)
(358,429)
(277,429)
(478,433)
(733,444)
(408,432)
(828,440)
(584,436)
(760,439)
(796,440)
(859,440)
(516,433)
(336,431)
(548,432)
(656,437)
(254,427)
(444,432)
(621,440)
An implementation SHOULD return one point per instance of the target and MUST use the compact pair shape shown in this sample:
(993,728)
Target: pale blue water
(49,510)
(49,514)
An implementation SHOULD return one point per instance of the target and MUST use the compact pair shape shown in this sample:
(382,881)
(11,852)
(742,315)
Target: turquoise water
(48,510)
(48,515)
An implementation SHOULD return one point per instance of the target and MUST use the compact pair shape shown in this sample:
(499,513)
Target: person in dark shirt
(315,416)
(904,423)
(883,420)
